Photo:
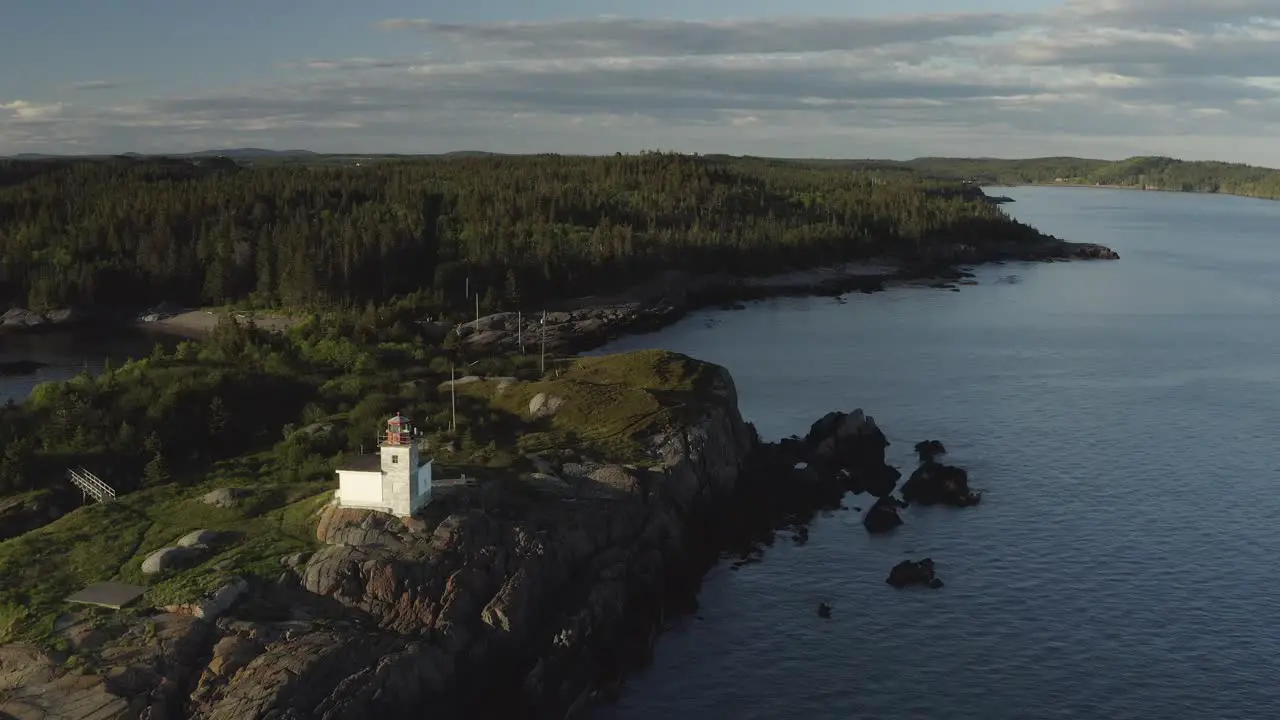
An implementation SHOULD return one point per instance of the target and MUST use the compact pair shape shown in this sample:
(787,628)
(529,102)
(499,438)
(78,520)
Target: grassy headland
(363,255)
(269,415)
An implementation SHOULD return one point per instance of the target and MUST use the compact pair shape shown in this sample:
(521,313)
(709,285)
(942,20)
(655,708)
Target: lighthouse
(394,480)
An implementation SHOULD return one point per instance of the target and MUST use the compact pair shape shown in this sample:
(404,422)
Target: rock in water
(850,447)
(929,450)
(909,572)
(882,517)
(824,610)
(934,483)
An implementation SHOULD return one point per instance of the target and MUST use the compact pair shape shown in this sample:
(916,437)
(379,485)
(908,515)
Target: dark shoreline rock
(33,321)
(70,319)
(936,484)
(477,612)
(518,609)
(586,323)
(914,572)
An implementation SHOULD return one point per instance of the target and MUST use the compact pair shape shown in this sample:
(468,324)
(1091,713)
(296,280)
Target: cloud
(94,85)
(1180,14)
(360,63)
(632,37)
(21,111)
(1182,77)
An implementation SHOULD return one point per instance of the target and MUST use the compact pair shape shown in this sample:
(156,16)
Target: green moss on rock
(607,405)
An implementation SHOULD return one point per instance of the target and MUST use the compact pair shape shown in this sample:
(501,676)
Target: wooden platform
(109,595)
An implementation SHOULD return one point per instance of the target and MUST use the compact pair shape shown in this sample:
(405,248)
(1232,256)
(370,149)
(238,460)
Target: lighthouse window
(395,458)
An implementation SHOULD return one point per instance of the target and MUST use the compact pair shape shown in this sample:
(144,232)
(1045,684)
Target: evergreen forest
(131,232)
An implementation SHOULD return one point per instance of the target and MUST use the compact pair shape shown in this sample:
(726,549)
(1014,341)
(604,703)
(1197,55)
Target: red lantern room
(399,431)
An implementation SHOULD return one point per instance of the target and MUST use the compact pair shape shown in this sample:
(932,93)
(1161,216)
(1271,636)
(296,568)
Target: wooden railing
(91,485)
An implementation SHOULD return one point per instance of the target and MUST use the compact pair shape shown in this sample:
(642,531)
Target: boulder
(224,497)
(934,483)
(198,537)
(355,527)
(457,382)
(849,446)
(542,404)
(929,450)
(882,517)
(171,558)
(21,318)
(296,560)
(219,601)
(913,572)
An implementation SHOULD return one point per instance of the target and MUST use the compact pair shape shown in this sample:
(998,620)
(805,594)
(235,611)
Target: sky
(1193,79)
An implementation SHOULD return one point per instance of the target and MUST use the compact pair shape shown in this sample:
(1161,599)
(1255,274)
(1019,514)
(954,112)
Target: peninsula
(572,504)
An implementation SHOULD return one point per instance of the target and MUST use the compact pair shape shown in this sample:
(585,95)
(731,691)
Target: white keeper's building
(393,480)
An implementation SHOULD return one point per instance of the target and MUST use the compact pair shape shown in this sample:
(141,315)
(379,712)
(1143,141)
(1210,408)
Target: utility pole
(520,330)
(543,362)
(476,327)
(453,401)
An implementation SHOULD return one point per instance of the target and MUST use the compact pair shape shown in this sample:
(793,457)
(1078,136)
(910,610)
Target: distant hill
(1142,172)
(250,153)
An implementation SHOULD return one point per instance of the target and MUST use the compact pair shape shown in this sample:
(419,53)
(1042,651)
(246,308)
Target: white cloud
(21,111)
(1189,78)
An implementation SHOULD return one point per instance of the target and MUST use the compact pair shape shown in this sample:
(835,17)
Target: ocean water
(66,354)
(1121,418)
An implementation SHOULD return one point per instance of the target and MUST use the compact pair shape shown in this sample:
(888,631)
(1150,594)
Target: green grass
(109,541)
(14,501)
(610,403)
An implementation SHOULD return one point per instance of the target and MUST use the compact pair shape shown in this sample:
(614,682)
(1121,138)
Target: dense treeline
(516,229)
(1152,173)
(321,389)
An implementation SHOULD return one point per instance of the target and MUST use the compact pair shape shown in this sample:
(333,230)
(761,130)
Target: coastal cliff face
(486,609)
(526,594)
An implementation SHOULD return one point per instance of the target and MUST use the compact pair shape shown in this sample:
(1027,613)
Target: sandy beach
(199,323)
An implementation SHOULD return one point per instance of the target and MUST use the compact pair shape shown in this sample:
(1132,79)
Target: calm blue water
(1122,418)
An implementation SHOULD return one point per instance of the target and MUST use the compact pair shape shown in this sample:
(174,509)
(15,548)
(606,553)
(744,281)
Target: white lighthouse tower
(394,480)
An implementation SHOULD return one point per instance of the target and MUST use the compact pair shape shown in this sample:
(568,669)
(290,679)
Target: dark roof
(362,463)
(109,594)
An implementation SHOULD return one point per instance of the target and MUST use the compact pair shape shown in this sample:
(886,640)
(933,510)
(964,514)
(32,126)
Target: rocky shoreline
(586,323)
(494,605)
(487,605)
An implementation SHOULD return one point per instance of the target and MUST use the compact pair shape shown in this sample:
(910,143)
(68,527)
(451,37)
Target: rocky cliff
(490,606)
(523,596)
